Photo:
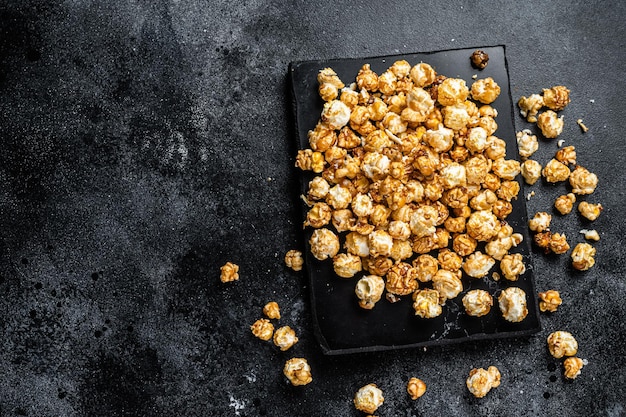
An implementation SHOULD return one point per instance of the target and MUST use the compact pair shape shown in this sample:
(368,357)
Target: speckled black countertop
(146,143)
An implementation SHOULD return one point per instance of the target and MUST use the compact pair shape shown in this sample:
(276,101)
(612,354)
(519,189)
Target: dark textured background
(145,143)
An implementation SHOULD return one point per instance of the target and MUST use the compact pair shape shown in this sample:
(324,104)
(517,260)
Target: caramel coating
(549,301)
(298,371)
(415,388)
(229,272)
(562,343)
(271,310)
(481,381)
(368,398)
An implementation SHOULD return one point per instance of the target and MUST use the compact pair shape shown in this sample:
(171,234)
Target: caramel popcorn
(448,284)
(550,123)
(558,243)
(380,243)
(319,215)
(324,244)
(323,136)
(415,388)
(346,265)
(263,329)
(565,203)
(367,79)
(285,338)
(507,169)
(583,181)
(329,76)
(566,155)
(482,225)
(590,211)
(556,98)
(485,90)
(440,139)
(512,303)
(530,106)
(540,222)
(422,74)
(368,398)
(549,301)
(400,68)
(512,266)
(527,143)
(298,371)
(477,303)
(229,272)
(369,289)
(271,310)
(426,267)
(452,91)
(583,256)
(561,343)
(478,264)
(464,244)
(449,260)
(426,303)
(481,381)
(572,367)
(555,171)
(357,244)
(401,279)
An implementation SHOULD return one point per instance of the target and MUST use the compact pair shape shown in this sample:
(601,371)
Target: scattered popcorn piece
(583,256)
(558,243)
(512,266)
(556,98)
(591,234)
(478,264)
(550,123)
(540,222)
(263,329)
(562,343)
(369,289)
(271,310)
(530,106)
(368,398)
(512,303)
(477,303)
(572,367)
(479,59)
(481,381)
(527,143)
(582,125)
(415,388)
(549,301)
(298,371)
(285,338)
(566,155)
(565,203)
(485,90)
(426,303)
(346,265)
(555,171)
(560,143)
(229,272)
(530,195)
(531,171)
(583,181)
(590,211)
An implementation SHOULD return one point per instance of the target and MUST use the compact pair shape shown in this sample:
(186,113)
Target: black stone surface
(146,143)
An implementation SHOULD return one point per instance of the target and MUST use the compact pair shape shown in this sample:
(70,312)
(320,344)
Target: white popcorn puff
(562,343)
(422,74)
(455,117)
(527,143)
(375,166)
(481,381)
(448,284)
(369,290)
(476,141)
(368,398)
(419,101)
(512,303)
(452,91)
(530,106)
(399,230)
(583,256)
(440,139)
(423,221)
(362,205)
(336,114)
(453,175)
(477,303)
(426,303)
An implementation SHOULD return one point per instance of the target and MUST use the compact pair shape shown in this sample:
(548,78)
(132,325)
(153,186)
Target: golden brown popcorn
(400,68)
(448,284)
(555,171)
(327,91)
(455,117)
(483,225)
(485,90)
(496,148)
(572,367)
(506,169)
(380,243)
(415,388)
(477,303)
(263,329)
(426,303)
(531,171)
(369,290)
(449,260)
(565,203)
(477,169)
(452,91)
(401,279)
(556,98)
(328,75)
(512,266)
(422,74)
(477,140)
(583,256)
(307,160)
(323,136)
(229,272)
(502,209)
(324,244)
(294,260)
(339,197)
(540,222)
(399,230)
(464,244)
(503,242)
(318,188)
(591,234)
(549,301)
(393,123)
(530,106)
(378,265)
(550,123)
(349,97)
(484,200)
(542,240)
(478,264)
(558,243)
(402,249)
(583,181)
(426,267)
(455,224)
(285,338)
(368,398)
(367,79)
(319,215)
(423,221)
(375,166)
(566,155)
(440,139)
(344,220)
(419,101)
(396,103)
(346,265)
(590,211)
(527,143)
(481,381)
(298,371)
(362,205)
(512,303)
(387,82)
(357,244)
(561,343)
(271,310)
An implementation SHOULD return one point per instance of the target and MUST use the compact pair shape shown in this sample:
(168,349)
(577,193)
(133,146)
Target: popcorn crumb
(590,234)
(561,142)
(530,195)
(582,125)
